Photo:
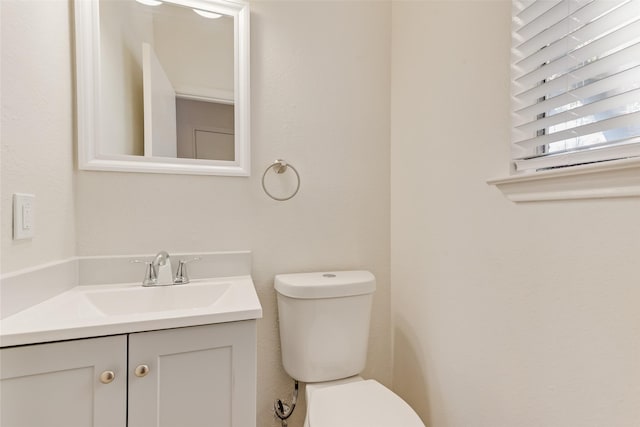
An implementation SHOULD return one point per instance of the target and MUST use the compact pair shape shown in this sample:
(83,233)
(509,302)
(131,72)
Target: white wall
(37,131)
(320,74)
(320,99)
(503,314)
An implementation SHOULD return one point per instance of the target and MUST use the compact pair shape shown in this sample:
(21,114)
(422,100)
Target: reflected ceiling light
(207,14)
(150,2)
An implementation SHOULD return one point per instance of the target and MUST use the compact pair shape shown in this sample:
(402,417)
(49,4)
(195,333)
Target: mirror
(163,86)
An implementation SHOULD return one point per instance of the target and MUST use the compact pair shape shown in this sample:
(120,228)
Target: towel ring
(280,166)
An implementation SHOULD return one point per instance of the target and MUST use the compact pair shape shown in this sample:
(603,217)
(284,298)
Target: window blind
(575,82)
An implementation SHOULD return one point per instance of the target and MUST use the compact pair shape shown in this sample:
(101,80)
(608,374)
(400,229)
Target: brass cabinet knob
(107,376)
(141,370)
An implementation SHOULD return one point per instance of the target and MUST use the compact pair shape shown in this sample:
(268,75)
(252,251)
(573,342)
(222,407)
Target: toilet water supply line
(283,410)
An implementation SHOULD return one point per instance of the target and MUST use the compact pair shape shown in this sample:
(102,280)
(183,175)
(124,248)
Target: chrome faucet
(161,265)
(159,271)
(160,259)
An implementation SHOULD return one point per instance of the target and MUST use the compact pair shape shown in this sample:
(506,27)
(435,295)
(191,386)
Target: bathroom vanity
(125,355)
(194,376)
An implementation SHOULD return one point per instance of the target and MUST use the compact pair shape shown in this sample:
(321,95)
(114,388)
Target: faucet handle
(150,274)
(182,277)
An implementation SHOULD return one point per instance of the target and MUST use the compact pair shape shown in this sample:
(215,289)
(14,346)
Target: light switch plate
(24,215)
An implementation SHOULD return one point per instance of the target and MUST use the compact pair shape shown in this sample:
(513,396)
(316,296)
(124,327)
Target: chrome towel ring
(280,166)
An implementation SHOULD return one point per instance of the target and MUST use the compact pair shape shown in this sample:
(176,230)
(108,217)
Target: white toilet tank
(324,323)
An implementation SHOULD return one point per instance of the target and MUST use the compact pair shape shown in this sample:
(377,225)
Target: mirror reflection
(166,81)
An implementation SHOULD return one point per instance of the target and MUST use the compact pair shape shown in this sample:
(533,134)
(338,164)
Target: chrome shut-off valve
(284,410)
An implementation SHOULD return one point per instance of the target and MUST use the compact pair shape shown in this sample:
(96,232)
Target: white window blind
(575,82)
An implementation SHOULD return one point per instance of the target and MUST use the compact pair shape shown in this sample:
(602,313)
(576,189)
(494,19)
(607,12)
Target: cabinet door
(197,376)
(59,384)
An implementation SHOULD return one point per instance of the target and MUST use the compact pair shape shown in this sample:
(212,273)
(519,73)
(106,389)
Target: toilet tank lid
(331,284)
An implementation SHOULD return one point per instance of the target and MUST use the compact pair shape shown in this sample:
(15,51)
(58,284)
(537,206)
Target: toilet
(324,332)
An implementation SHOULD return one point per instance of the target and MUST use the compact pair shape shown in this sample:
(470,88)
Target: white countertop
(99,310)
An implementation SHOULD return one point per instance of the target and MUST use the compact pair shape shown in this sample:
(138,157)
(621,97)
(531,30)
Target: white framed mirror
(163,86)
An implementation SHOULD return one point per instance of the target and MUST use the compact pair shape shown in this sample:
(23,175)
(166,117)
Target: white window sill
(618,178)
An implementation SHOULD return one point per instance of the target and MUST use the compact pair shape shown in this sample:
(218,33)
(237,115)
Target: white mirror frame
(87,24)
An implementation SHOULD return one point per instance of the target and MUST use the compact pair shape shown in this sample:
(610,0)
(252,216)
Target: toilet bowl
(361,403)
(324,329)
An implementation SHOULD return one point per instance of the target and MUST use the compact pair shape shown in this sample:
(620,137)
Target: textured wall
(503,314)
(37,131)
(320,99)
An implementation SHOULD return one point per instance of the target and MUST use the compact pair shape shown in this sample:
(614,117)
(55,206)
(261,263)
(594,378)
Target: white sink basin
(99,310)
(139,300)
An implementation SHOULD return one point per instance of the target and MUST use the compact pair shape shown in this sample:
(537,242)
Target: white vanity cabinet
(192,376)
(58,384)
(197,376)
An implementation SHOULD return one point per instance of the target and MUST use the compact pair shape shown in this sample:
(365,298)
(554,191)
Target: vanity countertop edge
(73,314)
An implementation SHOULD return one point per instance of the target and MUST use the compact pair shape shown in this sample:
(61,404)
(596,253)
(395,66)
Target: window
(575,82)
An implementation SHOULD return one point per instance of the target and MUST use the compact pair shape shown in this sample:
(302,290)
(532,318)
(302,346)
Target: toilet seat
(359,404)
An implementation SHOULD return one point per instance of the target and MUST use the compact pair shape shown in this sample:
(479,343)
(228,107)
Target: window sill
(618,178)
